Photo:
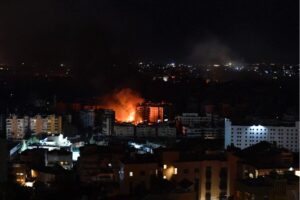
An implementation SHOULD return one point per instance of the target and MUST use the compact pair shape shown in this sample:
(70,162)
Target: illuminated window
(175,170)
(165,166)
(130,173)
(164,177)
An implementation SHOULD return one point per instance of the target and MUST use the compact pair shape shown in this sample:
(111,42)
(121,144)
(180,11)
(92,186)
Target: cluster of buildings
(145,130)
(209,127)
(211,158)
(213,174)
(188,125)
(256,172)
(101,120)
(18,126)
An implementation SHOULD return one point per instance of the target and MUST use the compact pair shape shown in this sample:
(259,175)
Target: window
(142,173)
(208,185)
(223,172)
(165,166)
(130,174)
(222,196)
(208,173)
(207,196)
(175,170)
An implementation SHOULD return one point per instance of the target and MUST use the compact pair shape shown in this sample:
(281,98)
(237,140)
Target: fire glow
(124,103)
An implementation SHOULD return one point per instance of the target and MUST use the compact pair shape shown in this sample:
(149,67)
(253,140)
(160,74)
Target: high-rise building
(87,118)
(54,124)
(45,124)
(16,127)
(104,121)
(151,112)
(38,124)
(245,135)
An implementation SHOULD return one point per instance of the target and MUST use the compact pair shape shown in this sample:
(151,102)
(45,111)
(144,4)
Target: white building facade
(243,136)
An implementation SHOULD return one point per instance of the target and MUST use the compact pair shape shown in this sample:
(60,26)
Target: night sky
(108,31)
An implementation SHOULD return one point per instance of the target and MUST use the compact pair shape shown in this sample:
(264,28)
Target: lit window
(164,177)
(165,166)
(175,170)
(130,173)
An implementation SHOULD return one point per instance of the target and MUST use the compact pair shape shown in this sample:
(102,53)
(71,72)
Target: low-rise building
(166,130)
(271,187)
(59,157)
(135,175)
(98,164)
(145,130)
(124,130)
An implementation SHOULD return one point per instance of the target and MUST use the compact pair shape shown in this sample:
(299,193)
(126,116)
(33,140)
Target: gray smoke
(211,51)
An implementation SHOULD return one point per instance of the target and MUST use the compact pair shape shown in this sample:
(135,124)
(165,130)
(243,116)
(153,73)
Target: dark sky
(92,31)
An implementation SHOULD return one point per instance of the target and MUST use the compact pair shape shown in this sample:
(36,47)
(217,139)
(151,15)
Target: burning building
(130,107)
(124,103)
(151,112)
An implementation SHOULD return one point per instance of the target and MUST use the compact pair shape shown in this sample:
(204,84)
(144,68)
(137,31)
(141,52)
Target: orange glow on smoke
(124,103)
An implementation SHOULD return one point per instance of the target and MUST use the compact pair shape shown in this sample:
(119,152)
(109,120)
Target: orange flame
(124,103)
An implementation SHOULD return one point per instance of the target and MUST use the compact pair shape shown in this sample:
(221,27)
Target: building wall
(38,124)
(166,131)
(152,113)
(145,131)
(16,127)
(124,130)
(132,175)
(156,114)
(3,160)
(54,124)
(205,183)
(244,136)
(87,118)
